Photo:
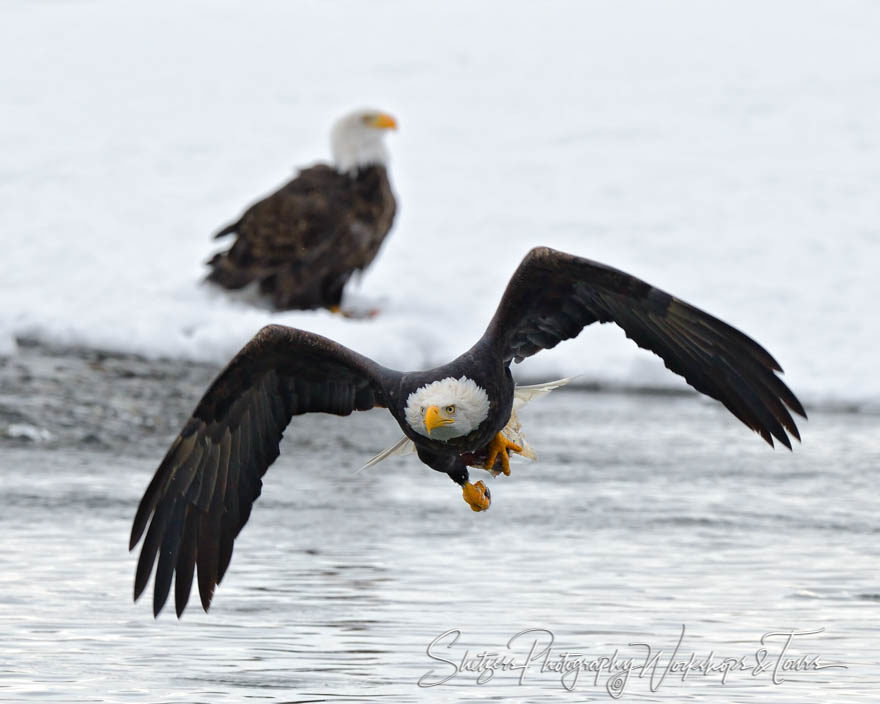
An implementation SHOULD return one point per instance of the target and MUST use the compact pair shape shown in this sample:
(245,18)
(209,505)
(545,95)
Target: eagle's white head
(357,139)
(448,408)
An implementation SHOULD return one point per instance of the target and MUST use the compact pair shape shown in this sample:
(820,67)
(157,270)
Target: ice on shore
(726,153)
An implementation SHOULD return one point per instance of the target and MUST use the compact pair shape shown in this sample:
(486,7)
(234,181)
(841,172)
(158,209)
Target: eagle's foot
(367,314)
(500,447)
(477,496)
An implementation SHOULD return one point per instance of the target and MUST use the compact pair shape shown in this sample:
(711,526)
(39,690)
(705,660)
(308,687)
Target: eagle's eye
(422,409)
(450,410)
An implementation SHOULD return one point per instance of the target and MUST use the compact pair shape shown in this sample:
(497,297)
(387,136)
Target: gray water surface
(644,514)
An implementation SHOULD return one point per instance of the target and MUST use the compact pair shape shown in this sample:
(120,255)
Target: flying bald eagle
(302,243)
(459,415)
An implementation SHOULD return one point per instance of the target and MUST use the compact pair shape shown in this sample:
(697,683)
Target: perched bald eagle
(302,243)
(456,416)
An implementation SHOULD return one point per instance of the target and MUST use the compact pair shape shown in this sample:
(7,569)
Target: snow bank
(727,152)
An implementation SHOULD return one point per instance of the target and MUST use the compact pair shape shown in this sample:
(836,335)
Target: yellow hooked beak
(383,121)
(433,419)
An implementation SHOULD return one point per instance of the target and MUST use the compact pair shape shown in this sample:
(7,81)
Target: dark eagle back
(302,243)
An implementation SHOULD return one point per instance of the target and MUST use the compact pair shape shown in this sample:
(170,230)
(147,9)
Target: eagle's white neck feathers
(470,400)
(355,144)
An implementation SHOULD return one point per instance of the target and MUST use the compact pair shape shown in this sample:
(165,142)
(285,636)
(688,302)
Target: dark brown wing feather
(201,495)
(304,241)
(552,296)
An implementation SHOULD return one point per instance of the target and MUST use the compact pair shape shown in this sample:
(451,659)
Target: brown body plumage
(302,243)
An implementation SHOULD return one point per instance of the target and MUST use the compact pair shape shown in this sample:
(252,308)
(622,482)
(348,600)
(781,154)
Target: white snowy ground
(728,152)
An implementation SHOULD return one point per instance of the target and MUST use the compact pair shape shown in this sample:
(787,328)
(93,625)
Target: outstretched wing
(552,296)
(202,493)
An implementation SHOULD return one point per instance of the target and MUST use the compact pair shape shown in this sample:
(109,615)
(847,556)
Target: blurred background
(727,152)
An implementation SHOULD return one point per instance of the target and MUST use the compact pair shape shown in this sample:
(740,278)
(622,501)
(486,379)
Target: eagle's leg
(499,448)
(476,495)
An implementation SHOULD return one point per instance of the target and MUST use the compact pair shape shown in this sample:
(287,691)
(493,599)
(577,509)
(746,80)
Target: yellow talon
(476,495)
(364,315)
(499,447)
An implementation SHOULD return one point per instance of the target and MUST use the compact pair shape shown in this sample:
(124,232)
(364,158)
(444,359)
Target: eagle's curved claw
(477,496)
(499,447)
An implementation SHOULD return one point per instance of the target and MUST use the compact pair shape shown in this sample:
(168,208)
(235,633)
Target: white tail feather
(523,394)
(404,446)
(513,432)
